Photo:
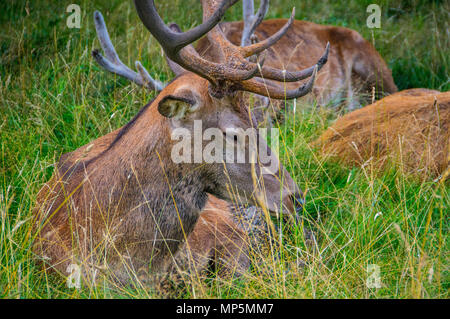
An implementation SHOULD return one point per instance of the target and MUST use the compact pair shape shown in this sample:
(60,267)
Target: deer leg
(217,241)
(217,244)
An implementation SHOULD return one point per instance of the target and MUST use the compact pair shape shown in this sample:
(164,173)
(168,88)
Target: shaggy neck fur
(149,204)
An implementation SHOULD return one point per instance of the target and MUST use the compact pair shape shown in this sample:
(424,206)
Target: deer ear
(176,106)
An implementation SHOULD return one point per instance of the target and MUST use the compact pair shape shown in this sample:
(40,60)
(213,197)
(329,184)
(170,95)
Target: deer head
(210,93)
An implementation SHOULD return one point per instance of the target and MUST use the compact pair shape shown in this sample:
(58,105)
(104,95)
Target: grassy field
(54,98)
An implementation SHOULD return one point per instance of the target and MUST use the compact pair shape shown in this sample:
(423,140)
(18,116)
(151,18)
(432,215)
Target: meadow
(54,98)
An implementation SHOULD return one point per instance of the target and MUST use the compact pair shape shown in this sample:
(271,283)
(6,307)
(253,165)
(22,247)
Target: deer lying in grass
(216,239)
(410,128)
(121,203)
(354,66)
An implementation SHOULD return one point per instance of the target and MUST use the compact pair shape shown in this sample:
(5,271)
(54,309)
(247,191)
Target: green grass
(54,98)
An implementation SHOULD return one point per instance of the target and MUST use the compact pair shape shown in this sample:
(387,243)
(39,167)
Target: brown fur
(120,203)
(407,128)
(354,66)
(216,241)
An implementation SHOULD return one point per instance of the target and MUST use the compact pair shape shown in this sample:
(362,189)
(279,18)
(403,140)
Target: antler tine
(175,67)
(112,62)
(147,79)
(276,92)
(251,21)
(261,46)
(288,76)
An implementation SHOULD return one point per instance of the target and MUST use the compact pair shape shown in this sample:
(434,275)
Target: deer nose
(298,199)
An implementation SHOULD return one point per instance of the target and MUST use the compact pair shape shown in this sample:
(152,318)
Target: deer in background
(354,67)
(410,129)
(120,202)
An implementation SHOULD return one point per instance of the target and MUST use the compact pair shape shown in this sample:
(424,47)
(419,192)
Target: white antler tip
(98,15)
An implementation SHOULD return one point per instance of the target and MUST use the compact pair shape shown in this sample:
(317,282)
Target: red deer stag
(354,66)
(122,202)
(216,239)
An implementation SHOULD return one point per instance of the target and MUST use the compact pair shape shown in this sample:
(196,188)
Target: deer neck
(138,169)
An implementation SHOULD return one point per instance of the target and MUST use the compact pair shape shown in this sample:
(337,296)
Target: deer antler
(276,92)
(177,45)
(288,76)
(252,20)
(233,71)
(112,62)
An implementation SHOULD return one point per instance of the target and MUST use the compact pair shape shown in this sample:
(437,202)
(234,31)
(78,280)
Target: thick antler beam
(177,46)
(113,64)
(192,61)
(173,42)
(276,92)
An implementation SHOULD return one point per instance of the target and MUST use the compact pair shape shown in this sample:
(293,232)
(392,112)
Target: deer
(409,128)
(355,70)
(121,204)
